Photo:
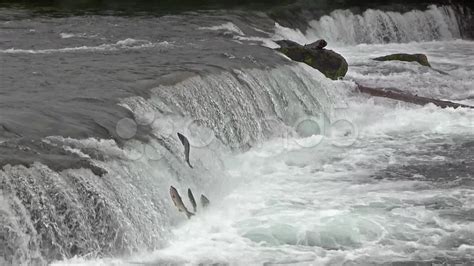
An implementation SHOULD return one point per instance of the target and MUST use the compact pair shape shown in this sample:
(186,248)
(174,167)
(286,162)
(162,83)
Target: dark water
(71,86)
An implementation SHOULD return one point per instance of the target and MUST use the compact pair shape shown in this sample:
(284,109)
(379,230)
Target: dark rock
(287,44)
(328,62)
(420,58)
(317,45)
(399,95)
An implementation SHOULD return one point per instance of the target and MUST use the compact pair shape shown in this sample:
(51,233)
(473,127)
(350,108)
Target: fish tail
(189,214)
(189,164)
(191,199)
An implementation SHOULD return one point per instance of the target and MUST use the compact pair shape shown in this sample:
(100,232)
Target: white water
(318,205)
(340,192)
(226,27)
(376,26)
(327,200)
(127,44)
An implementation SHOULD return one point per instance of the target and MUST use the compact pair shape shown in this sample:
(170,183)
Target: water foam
(310,201)
(454,58)
(376,26)
(288,200)
(226,27)
(283,208)
(65,35)
(127,44)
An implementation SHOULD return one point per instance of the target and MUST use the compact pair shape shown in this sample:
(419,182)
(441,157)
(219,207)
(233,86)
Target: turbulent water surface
(299,169)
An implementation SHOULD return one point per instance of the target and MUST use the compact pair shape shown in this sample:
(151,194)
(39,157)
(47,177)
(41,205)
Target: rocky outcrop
(419,58)
(317,45)
(328,62)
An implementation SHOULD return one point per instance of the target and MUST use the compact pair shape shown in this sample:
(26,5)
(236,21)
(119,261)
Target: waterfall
(47,215)
(376,26)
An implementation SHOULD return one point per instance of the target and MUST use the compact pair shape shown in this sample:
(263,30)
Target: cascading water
(376,26)
(299,169)
(128,209)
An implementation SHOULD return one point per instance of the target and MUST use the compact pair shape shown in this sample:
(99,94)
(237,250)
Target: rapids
(299,169)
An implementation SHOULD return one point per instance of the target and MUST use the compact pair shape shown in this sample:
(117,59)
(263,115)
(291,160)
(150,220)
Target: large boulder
(328,62)
(419,58)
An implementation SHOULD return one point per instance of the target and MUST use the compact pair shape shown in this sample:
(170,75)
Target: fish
(186,145)
(178,202)
(204,201)
(191,199)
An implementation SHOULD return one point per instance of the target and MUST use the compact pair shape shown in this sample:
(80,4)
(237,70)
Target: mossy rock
(419,58)
(328,62)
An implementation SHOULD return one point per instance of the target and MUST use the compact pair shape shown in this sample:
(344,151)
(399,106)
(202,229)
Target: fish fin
(189,164)
(191,199)
(189,214)
(204,201)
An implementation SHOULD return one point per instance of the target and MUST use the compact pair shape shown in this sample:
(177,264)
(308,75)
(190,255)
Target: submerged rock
(420,58)
(328,62)
(399,95)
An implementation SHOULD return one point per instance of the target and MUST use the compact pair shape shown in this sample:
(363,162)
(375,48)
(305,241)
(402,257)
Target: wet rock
(287,44)
(328,62)
(419,58)
(317,45)
(399,95)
